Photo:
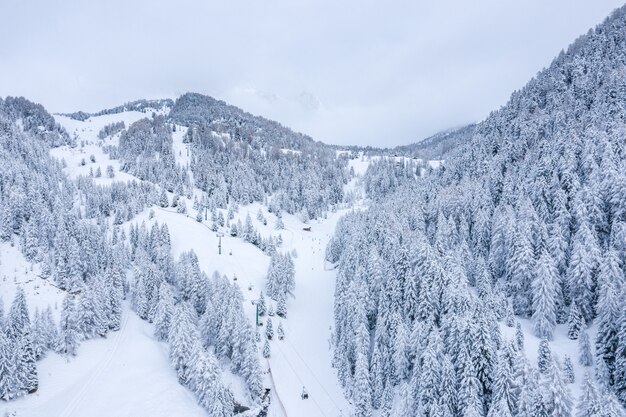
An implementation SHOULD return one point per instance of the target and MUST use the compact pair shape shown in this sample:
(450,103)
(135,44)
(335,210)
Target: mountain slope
(525,221)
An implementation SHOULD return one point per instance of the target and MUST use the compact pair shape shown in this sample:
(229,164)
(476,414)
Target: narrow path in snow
(74,404)
(275,391)
(303,359)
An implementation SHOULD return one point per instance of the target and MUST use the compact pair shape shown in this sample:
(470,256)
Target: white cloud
(357,72)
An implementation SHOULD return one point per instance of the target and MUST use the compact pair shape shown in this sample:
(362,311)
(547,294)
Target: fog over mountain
(346,73)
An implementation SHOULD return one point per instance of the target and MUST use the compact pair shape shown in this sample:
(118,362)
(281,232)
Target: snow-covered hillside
(128,372)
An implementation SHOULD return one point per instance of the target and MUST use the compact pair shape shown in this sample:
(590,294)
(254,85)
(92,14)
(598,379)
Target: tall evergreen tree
(544,288)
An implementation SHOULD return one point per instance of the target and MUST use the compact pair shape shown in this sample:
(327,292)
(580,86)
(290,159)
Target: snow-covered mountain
(495,286)
(184,257)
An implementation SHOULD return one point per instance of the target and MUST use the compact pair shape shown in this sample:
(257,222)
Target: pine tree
(18,330)
(585,358)
(280,332)
(8,377)
(184,342)
(261,305)
(362,391)
(575,322)
(269,329)
(470,399)
(556,394)
(281,306)
(521,272)
(544,357)
(89,315)
(568,370)
(164,310)
(266,348)
(68,342)
(400,357)
(581,270)
(544,296)
(50,328)
(589,404)
(519,336)
(608,313)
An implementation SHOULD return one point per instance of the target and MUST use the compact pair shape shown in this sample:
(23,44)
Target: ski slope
(128,373)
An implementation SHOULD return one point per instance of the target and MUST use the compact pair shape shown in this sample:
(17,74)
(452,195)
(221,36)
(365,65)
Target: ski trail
(275,391)
(71,407)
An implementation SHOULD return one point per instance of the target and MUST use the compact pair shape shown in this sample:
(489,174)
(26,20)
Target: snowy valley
(186,258)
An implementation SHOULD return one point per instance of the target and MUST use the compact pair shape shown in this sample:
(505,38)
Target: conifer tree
(589,404)
(269,329)
(20,339)
(164,311)
(184,342)
(68,333)
(575,322)
(544,357)
(266,348)
(281,306)
(280,332)
(568,370)
(557,397)
(261,305)
(584,346)
(544,296)
(8,377)
(519,336)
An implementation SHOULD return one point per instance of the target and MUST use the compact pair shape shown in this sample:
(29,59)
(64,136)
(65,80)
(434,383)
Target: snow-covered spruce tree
(68,332)
(281,306)
(89,315)
(589,403)
(521,271)
(544,288)
(584,345)
(207,384)
(9,386)
(519,336)
(261,305)
(164,312)
(575,322)
(608,309)
(280,332)
(544,356)
(19,337)
(582,269)
(184,342)
(568,370)
(266,348)
(556,395)
(269,329)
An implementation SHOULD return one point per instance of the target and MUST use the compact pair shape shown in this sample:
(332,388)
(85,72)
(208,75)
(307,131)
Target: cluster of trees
(111,129)
(34,119)
(144,106)
(281,280)
(66,226)
(145,151)
(527,219)
(239,156)
(200,317)
(92,313)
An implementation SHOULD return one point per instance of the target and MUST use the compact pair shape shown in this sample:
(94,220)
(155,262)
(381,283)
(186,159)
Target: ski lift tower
(219,235)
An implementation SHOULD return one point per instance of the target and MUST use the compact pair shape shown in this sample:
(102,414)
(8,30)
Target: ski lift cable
(300,379)
(313,373)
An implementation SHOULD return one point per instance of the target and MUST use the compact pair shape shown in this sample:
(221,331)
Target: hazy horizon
(350,73)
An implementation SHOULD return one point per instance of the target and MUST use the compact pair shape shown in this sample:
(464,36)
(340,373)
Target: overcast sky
(346,72)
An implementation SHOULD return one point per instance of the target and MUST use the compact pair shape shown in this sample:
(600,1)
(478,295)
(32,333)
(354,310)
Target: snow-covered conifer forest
(186,258)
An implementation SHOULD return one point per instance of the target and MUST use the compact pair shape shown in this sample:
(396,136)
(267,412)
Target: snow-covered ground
(128,373)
